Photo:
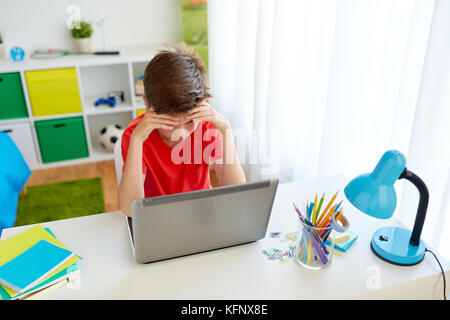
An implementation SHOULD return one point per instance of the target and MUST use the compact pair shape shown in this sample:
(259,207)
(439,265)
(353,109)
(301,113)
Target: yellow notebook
(14,246)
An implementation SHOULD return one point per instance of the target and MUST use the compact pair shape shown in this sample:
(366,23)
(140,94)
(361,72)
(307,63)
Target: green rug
(62,200)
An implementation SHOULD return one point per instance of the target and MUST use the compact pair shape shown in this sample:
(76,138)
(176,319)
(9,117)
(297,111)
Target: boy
(170,147)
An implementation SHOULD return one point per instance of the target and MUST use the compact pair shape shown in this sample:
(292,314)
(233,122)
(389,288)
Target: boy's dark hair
(175,80)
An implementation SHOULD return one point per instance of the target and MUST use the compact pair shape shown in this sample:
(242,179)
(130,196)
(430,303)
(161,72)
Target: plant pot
(84,45)
(2,51)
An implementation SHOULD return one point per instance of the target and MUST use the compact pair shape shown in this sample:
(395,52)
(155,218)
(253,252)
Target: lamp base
(392,245)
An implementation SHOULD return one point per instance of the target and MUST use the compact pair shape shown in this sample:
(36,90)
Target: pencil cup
(311,251)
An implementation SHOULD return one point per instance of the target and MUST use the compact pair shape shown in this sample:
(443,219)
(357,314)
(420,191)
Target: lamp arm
(423,204)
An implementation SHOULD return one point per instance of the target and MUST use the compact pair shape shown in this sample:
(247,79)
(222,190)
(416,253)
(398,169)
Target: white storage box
(20,133)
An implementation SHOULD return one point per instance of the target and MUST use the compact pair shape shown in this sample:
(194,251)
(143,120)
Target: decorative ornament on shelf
(101,24)
(109,136)
(17,53)
(82,35)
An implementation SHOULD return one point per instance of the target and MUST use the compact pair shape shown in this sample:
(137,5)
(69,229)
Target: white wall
(33,24)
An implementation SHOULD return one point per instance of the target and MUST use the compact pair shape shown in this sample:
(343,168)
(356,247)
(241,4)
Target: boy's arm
(230,170)
(131,186)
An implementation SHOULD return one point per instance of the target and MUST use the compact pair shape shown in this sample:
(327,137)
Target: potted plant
(2,48)
(82,36)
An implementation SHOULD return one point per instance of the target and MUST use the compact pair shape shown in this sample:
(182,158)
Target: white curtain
(429,148)
(333,84)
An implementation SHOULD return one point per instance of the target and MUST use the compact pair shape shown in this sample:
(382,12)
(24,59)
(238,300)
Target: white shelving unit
(97,75)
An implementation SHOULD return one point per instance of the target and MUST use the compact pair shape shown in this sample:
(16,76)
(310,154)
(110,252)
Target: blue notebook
(29,268)
(343,246)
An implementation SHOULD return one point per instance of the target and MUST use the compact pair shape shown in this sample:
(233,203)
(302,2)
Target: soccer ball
(109,135)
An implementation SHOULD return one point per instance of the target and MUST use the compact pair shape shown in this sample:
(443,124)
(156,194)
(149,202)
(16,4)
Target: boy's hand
(152,121)
(204,112)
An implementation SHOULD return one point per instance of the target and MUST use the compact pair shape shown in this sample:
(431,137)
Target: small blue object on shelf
(17,53)
(117,95)
(374,194)
(110,101)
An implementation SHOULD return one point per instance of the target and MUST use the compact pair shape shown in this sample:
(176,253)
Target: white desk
(108,270)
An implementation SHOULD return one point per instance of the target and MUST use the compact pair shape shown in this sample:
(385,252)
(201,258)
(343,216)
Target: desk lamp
(374,194)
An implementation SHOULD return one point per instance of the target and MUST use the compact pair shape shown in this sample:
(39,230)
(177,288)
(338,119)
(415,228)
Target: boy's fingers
(164,121)
(199,108)
(154,115)
(153,119)
(199,119)
(203,109)
(199,114)
(204,103)
(162,126)
(153,112)
(164,116)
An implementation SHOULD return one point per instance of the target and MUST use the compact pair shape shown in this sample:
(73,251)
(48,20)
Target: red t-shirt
(182,168)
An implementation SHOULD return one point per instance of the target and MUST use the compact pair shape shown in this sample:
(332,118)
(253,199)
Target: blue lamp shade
(373,193)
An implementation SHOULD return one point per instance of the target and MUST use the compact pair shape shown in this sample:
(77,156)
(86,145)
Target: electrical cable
(442,270)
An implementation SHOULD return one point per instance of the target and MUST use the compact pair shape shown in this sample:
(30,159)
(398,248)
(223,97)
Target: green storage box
(12,100)
(62,139)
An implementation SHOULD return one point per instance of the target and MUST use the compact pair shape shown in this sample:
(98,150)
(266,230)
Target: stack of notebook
(33,262)
(342,241)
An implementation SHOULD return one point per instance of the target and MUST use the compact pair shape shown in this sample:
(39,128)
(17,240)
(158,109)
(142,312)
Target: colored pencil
(326,235)
(308,252)
(338,216)
(316,229)
(314,213)
(307,211)
(313,231)
(305,250)
(327,217)
(314,238)
(317,246)
(309,214)
(320,205)
(325,225)
(327,207)
(313,242)
(301,249)
(325,228)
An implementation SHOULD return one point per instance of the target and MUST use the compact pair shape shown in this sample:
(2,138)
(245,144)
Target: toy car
(110,101)
(118,95)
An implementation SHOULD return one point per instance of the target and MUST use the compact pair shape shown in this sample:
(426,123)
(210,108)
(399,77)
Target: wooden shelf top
(139,53)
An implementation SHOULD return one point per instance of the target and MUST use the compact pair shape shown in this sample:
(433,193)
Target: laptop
(176,225)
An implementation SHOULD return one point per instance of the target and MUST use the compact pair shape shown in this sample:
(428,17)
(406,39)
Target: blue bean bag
(14,172)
